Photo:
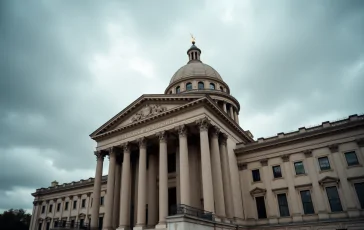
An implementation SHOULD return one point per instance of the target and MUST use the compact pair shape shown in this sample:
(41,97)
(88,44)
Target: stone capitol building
(180,160)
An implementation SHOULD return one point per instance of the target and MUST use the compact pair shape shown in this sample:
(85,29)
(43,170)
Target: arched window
(222,89)
(212,86)
(189,86)
(201,85)
(178,89)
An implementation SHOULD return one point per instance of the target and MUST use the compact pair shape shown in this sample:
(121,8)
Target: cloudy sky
(69,66)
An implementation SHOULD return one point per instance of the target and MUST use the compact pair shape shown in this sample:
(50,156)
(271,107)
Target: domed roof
(195,69)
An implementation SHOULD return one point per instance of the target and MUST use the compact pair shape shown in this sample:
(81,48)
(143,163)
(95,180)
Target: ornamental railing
(70,225)
(192,211)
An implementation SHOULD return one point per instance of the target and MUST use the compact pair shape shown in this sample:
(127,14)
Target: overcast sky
(69,66)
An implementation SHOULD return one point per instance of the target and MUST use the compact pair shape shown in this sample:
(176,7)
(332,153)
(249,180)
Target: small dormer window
(201,85)
(212,86)
(189,86)
(178,89)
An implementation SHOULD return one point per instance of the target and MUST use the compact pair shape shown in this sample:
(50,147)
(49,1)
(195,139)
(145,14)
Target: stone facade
(180,160)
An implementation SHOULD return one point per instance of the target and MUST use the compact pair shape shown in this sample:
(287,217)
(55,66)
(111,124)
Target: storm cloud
(69,66)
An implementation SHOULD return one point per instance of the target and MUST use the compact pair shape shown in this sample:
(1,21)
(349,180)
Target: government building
(180,160)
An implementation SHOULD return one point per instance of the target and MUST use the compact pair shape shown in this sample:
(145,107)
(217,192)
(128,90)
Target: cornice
(310,133)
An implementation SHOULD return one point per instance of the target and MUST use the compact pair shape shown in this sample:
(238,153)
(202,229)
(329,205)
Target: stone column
(88,199)
(293,198)
(272,207)
(208,193)
(236,116)
(35,215)
(184,166)
(231,110)
(224,106)
(108,224)
(79,202)
(163,180)
(229,208)
(125,189)
(152,191)
(70,206)
(142,183)
(53,211)
(116,205)
(62,207)
(97,190)
(216,173)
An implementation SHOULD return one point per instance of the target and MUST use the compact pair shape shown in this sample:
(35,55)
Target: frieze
(148,111)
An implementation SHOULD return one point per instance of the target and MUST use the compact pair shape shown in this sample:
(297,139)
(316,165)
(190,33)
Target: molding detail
(215,131)
(203,124)
(333,148)
(142,142)
(285,158)
(242,166)
(308,153)
(148,111)
(126,147)
(264,162)
(329,179)
(360,142)
(162,136)
(99,155)
(258,191)
(223,139)
(182,130)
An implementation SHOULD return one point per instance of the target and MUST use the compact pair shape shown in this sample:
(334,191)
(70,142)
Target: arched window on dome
(189,86)
(212,86)
(222,89)
(201,85)
(178,89)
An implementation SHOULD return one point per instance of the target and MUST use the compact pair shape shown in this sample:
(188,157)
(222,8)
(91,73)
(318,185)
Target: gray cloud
(68,68)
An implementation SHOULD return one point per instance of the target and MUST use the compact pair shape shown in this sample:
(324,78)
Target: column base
(353,212)
(273,220)
(323,215)
(123,228)
(161,226)
(139,227)
(297,217)
(108,228)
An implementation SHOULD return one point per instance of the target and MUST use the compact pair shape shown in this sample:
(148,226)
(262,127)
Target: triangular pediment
(145,107)
(329,179)
(257,191)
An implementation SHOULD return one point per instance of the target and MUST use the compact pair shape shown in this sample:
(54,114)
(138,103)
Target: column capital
(203,124)
(285,158)
(215,131)
(63,198)
(126,147)
(182,130)
(79,196)
(142,142)
(35,203)
(54,200)
(163,135)
(112,152)
(223,138)
(88,194)
(99,155)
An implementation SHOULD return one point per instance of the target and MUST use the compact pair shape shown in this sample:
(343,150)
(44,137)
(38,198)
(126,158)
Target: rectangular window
(91,203)
(74,204)
(324,163)
(43,209)
(359,188)
(307,202)
(72,223)
(277,173)
(256,175)
(262,214)
(101,220)
(283,204)
(66,206)
(40,226)
(351,158)
(82,222)
(83,203)
(171,158)
(334,199)
(48,225)
(298,166)
(50,208)
(58,207)
(102,200)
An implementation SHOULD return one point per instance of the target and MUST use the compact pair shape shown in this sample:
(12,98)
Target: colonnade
(216,184)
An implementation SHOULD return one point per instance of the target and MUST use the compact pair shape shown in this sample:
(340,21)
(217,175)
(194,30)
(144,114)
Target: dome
(195,69)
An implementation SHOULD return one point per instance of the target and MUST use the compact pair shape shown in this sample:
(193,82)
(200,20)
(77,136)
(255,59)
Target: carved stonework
(142,142)
(126,147)
(308,153)
(79,196)
(223,138)
(35,203)
(328,179)
(203,124)
(88,194)
(242,166)
(258,191)
(360,142)
(285,158)
(63,198)
(162,136)
(148,111)
(112,152)
(99,155)
(215,131)
(264,162)
(182,130)
(334,148)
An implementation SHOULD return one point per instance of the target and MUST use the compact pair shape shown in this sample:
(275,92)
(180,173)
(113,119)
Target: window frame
(256,207)
(361,202)
(286,205)
(50,208)
(102,200)
(178,89)
(212,86)
(66,206)
(339,198)
(58,207)
(260,179)
(187,86)
(74,205)
(328,160)
(280,169)
(302,203)
(356,157)
(83,203)
(200,83)
(303,165)
(43,209)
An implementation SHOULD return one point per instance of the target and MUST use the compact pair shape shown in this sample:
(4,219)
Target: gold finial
(193,39)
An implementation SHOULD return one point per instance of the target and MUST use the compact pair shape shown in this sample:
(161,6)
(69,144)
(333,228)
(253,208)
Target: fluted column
(236,116)
(225,109)
(88,199)
(272,207)
(116,205)
(229,208)
(125,189)
(216,173)
(152,191)
(163,180)
(108,224)
(96,190)
(208,193)
(231,110)
(142,183)
(184,166)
